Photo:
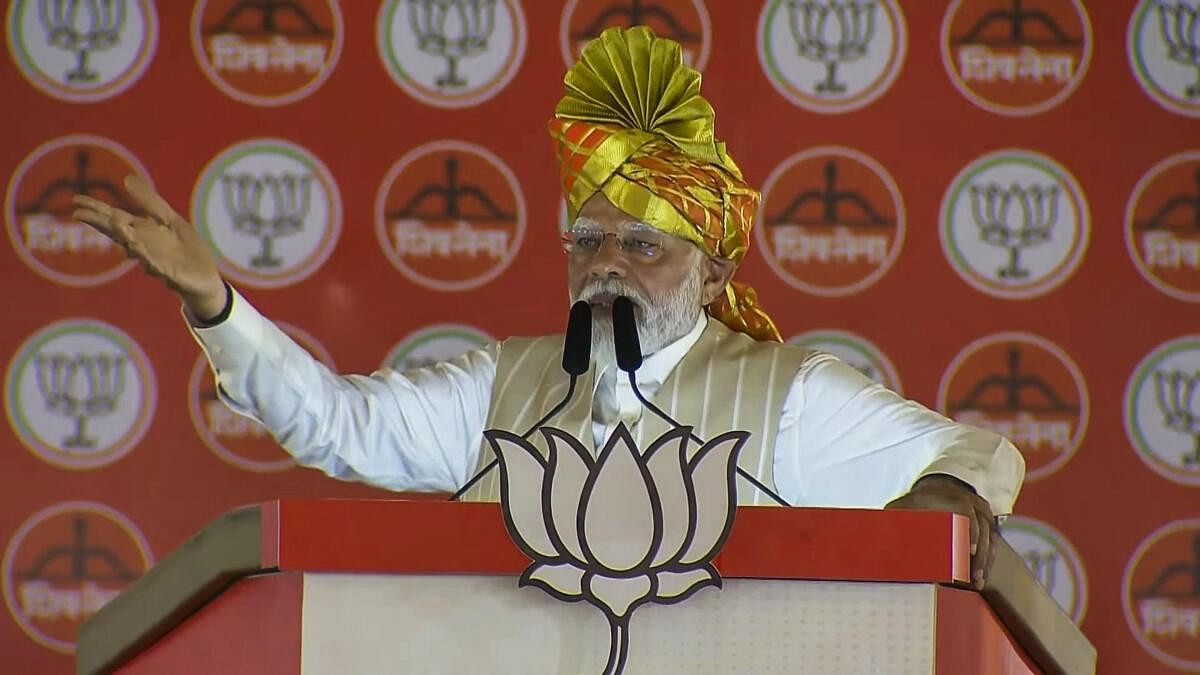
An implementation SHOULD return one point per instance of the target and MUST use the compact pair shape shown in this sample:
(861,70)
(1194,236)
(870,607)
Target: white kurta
(843,441)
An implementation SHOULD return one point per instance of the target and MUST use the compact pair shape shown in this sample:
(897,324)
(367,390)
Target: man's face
(668,279)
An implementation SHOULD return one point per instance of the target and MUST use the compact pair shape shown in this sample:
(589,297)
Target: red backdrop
(992,205)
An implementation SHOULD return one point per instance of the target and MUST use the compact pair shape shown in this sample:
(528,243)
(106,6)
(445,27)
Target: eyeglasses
(636,242)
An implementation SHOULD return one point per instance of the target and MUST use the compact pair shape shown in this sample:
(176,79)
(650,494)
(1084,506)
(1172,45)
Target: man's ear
(717,272)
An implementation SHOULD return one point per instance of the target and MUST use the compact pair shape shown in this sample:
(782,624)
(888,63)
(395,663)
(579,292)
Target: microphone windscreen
(577,344)
(625,335)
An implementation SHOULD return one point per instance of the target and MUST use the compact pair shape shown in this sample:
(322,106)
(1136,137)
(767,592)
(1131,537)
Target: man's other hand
(945,493)
(166,245)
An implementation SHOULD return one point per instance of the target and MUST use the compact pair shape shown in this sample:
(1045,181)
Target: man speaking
(660,214)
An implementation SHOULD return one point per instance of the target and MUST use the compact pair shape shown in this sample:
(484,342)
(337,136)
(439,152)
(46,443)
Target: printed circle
(1161,577)
(482,215)
(1161,49)
(1022,387)
(1016,78)
(37,598)
(814,244)
(96,389)
(447,72)
(829,58)
(276,192)
(855,350)
(230,43)
(1158,210)
(999,221)
(38,208)
(58,57)
(684,21)
(1162,410)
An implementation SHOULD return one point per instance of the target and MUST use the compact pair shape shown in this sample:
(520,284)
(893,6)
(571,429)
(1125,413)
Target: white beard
(660,319)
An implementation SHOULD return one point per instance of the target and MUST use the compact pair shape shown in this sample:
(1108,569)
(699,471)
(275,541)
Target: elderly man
(640,165)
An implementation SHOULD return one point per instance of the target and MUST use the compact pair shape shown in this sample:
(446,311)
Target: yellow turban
(634,126)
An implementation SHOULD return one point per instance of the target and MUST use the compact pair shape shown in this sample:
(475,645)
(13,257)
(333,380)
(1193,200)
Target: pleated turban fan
(633,125)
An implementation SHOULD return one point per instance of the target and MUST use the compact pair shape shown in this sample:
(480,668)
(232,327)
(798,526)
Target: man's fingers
(112,222)
(981,560)
(150,200)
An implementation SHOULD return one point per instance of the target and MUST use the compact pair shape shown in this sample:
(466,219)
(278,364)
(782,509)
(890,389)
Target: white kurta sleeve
(419,430)
(846,441)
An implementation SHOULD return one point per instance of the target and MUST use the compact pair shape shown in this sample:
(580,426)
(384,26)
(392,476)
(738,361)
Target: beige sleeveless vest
(727,381)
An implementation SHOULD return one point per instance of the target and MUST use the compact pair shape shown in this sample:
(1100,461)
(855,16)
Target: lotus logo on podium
(80,387)
(622,529)
(1014,229)
(289,205)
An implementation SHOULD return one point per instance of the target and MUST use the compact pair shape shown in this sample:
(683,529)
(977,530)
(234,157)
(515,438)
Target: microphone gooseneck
(576,359)
(629,359)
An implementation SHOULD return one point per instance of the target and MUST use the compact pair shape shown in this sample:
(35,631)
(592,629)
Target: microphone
(576,359)
(629,358)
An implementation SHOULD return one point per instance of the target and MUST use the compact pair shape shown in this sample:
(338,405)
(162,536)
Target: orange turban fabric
(634,126)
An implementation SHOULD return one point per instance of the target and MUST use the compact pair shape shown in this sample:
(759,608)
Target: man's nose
(609,260)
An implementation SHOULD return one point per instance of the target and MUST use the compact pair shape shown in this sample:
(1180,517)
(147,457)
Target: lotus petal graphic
(622,529)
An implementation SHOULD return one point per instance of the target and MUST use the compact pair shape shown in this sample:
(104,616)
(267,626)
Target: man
(640,165)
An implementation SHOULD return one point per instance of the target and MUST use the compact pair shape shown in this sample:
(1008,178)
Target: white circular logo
(1053,560)
(1015,224)
(451,54)
(1164,53)
(1162,410)
(82,52)
(80,394)
(435,344)
(857,351)
(270,210)
(831,57)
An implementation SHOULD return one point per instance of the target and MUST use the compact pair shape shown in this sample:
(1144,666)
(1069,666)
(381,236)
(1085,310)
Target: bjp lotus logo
(624,528)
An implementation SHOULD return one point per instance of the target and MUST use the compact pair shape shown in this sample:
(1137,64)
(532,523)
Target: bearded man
(640,165)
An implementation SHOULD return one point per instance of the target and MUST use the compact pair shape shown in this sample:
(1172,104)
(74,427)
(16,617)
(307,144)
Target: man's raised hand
(163,243)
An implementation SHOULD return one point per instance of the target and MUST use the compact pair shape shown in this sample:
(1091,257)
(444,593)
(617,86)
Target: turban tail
(633,125)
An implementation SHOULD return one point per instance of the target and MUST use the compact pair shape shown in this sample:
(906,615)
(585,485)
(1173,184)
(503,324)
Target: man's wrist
(945,478)
(219,317)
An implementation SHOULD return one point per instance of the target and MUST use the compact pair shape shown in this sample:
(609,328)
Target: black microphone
(629,358)
(576,359)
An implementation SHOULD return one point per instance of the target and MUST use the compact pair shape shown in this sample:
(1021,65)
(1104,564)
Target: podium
(357,586)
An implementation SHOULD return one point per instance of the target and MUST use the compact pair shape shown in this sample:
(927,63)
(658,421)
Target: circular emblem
(66,562)
(450,215)
(1162,226)
(1014,224)
(1015,60)
(1162,410)
(1163,48)
(270,210)
(82,52)
(434,344)
(1024,388)
(237,439)
(38,207)
(857,351)
(79,394)
(1159,593)
(1053,560)
(684,21)
(267,53)
(831,57)
(451,53)
(831,222)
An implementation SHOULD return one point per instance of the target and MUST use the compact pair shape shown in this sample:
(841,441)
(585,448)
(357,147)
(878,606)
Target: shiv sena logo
(832,221)
(64,563)
(450,215)
(38,207)
(1162,226)
(1160,593)
(236,439)
(684,21)
(267,53)
(1016,57)
(1024,388)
